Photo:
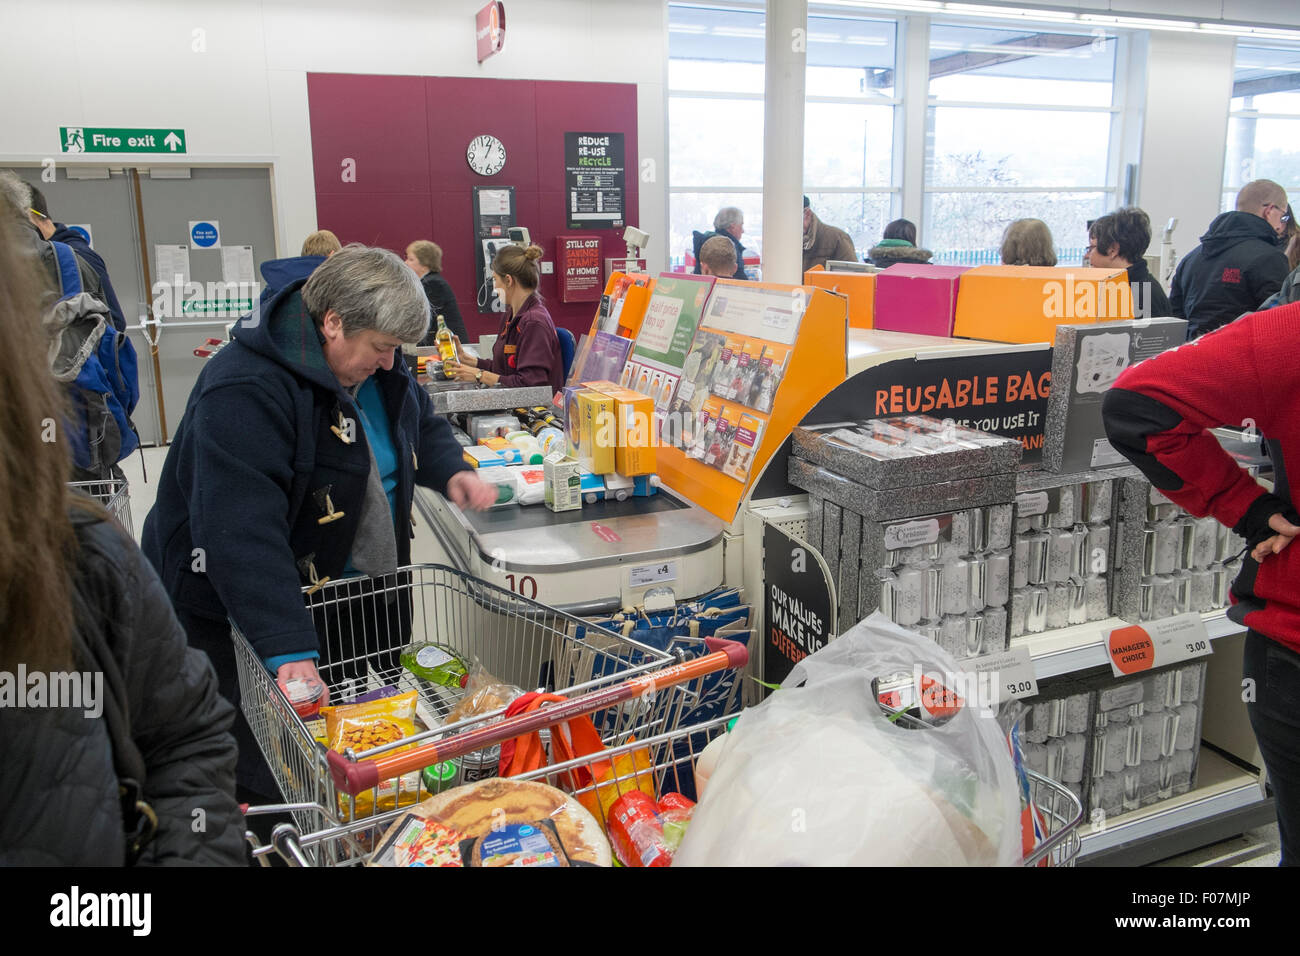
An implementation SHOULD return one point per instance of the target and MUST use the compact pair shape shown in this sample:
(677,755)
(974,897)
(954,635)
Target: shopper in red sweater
(1157,415)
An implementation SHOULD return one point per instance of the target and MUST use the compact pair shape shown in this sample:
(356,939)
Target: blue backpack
(98,363)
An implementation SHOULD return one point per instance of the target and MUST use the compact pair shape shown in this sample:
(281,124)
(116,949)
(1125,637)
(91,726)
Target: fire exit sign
(99,139)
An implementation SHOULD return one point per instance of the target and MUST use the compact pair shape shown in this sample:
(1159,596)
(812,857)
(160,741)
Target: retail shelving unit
(1228,798)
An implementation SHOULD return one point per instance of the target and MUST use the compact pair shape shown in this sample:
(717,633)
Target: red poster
(580,278)
(490,29)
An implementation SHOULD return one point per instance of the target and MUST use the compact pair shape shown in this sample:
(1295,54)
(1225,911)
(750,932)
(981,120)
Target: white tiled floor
(1254,848)
(141,492)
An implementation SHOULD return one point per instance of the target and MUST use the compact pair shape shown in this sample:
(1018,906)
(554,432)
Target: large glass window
(1264,126)
(715,123)
(1018,126)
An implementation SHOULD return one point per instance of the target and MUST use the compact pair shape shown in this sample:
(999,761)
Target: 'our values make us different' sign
(799,606)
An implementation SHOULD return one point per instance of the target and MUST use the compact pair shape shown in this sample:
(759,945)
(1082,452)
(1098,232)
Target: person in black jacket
(1119,240)
(425,260)
(80,601)
(57,232)
(729,222)
(295,464)
(1239,263)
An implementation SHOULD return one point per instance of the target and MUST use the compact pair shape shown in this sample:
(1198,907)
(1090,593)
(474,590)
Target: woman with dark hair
(527,352)
(79,602)
(898,245)
(1119,240)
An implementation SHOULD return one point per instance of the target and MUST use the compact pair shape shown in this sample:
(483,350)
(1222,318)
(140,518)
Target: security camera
(636,241)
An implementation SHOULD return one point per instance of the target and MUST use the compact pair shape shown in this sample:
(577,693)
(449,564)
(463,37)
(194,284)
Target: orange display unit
(816,365)
(858,287)
(1025,304)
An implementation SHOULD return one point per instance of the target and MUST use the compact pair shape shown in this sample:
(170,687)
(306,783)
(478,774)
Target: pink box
(913,297)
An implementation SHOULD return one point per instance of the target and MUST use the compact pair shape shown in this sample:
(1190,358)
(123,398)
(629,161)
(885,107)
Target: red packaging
(675,801)
(634,831)
(304,695)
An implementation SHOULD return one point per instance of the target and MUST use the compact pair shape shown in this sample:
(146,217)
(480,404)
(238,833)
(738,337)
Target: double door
(139,220)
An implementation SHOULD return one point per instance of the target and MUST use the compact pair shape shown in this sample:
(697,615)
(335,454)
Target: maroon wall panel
(408,136)
(379,121)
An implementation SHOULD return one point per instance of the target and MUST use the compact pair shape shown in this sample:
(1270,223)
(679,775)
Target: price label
(646,574)
(1010,673)
(911,533)
(1172,640)
(1031,504)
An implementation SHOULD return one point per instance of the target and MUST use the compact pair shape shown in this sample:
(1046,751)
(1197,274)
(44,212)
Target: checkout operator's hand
(466,373)
(302,670)
(469,492)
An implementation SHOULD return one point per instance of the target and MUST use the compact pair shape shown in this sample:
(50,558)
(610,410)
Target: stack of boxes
(1119,743)
(1063,551)
(1171,563)
(1146,738)
(610,438)
(914,517)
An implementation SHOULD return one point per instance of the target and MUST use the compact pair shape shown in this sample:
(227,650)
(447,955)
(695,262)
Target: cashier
(527,351)
(295,464)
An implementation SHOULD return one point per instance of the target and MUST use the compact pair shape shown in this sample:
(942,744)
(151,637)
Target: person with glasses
(1239,263)
(1119,240)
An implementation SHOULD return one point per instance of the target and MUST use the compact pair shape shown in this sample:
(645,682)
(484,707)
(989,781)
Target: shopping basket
(112,494)
(362,622)
(670,770)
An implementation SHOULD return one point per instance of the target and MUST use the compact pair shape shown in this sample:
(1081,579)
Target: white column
(913,57)
(786,47)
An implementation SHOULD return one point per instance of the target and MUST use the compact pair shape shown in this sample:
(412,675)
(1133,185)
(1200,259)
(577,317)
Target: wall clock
(486,155)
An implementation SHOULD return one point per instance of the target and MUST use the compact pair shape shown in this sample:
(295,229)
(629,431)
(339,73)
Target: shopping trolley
(670,770)
(363,623)
(112,494)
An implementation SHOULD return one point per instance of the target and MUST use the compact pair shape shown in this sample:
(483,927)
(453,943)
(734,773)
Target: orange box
(634,414)
(858,288)
(1024,304)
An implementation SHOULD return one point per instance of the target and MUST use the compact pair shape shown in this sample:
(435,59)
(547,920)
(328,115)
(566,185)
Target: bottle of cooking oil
(446,347)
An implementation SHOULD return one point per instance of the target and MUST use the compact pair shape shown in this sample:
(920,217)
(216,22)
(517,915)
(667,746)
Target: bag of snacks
(363,727)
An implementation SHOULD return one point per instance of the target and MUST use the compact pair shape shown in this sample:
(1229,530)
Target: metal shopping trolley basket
(364,623)
(670,769)
(112,494)
(656,765)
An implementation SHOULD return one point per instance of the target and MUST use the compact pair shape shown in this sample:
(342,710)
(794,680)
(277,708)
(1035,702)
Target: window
(715,123)
(1264,125)
(1018,126)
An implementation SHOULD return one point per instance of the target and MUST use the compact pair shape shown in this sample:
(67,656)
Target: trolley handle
(355,776)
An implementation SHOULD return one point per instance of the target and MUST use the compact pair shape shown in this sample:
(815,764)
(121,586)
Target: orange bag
(572,740)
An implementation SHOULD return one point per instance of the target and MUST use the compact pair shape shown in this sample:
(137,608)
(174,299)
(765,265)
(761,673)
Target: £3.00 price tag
(1171,640)
(1011,673)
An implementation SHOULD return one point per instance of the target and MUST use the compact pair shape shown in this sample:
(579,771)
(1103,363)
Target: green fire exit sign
(100,139)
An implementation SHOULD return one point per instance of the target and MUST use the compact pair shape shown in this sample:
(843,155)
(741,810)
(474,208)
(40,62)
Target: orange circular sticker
(937,699)
(1131,649)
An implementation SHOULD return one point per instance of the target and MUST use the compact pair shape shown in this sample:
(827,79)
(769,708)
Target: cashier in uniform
(527,352)
(295,464)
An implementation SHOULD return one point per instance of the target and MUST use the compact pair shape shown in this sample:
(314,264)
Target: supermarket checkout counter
(592,561)
(595,560)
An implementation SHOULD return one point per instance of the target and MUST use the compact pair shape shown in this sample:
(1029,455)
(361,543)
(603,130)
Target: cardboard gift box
(1025,304)
(918,297)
